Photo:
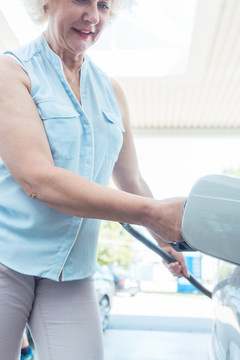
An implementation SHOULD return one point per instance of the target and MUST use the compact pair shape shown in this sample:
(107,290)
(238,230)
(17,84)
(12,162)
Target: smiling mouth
(83,33)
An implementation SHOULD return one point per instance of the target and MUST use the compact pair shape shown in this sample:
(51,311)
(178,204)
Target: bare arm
(127,176)
(25,151)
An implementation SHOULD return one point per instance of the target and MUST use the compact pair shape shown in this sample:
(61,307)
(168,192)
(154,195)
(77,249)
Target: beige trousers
(63,317)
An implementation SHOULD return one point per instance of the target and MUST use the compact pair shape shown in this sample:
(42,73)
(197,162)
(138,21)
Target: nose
(91,14)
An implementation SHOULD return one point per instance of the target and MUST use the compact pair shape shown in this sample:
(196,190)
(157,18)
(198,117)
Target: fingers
(175,268)
(181,261)
(184,270)
(178,268)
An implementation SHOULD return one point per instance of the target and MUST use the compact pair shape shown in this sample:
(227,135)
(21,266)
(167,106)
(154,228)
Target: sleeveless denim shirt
(86,140)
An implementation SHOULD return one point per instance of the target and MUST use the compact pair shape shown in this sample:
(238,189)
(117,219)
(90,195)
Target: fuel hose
(163,254)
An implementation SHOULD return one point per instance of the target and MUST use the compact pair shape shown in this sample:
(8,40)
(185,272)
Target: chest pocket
(115,131)
(63,128)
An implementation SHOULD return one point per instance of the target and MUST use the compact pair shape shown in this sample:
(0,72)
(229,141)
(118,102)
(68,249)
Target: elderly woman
(64,131)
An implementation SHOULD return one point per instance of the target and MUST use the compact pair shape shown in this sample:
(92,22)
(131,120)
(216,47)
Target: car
(126,284)
(105,289)
(225,336)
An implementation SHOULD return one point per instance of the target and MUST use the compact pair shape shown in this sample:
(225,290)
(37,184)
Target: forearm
(70,193)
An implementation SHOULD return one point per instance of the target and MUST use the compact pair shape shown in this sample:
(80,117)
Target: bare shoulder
(11,73)
(118,90)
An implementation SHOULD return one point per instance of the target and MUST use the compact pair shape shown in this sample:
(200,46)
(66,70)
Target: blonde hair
(35,9)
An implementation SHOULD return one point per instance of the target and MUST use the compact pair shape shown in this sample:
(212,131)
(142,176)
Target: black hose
(164,255)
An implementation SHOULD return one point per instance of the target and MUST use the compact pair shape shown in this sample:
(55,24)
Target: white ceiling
(204,100)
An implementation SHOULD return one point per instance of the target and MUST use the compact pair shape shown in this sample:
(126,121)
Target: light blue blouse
(86,140)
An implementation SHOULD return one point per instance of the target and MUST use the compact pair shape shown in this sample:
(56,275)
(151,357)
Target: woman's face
(75,25)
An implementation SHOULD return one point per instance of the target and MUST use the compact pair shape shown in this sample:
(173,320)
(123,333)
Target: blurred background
(178,62)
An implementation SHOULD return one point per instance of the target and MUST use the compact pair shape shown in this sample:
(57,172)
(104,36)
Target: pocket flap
(56,110)
(114,119)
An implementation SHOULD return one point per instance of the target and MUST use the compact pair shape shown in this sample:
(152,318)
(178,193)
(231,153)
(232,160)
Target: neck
(72,75)
(71,61)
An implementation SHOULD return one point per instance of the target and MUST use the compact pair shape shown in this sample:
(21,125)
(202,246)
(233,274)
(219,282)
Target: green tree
(115,245)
